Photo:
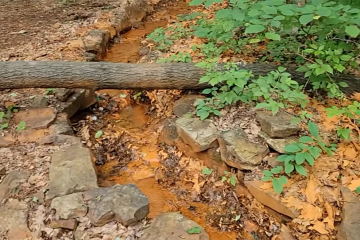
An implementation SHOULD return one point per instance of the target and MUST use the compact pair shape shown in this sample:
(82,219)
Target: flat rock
(71,170)
(278,144)
(124,203)
(186,104)
(13,219)
(174,226)
(69,206)
(11,182)
(63,93)
(59,140)
(237,151)
(269,198)
(200,135)
(32,135)
(349,228)
(7,141)
(66,224)
(280,125)
(36,118)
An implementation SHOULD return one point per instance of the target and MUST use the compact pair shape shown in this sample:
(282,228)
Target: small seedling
(49,91)
(206,171)
(277,182)
(194,230)
(21,126)
(230,178)
(98,134)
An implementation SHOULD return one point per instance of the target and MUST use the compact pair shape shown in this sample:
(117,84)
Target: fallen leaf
(319,227)
(310,190)
(354,184)
(311,212)
(291,201)
(350,152)
(330,218)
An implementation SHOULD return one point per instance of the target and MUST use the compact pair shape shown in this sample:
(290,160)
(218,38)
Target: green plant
(321,36)
(178,57)
(98,134)
(21,126)
(306,150)
(351,115)
(161,39)
(277,182)
(3,126)
(229,177)
(206,171)
(49,91)
(274,91)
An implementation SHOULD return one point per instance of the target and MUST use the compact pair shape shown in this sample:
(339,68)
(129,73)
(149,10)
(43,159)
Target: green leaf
(21,126)
(254,29)
(300,169)
(309,158)
(273,36)
(278,184)
(305,19)
(324,11)
(328,68)
(313,129)
(319,71)
(196,2)
(267,173)
(4,125)
(292,148)
(206,171)
(98,134)
(277,170)
(306,139)
(357,190)
(194,230)
(345,57)
(287,12)
(282,158)
(289,167)
(265,179)
(232,180)
(2,114)
(203,114)
(300,158)
(352,31)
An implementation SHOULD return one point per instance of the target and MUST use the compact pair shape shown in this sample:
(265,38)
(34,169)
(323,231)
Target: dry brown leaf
(291,201)
(354,184)
(350,152)
(330,218)
(311,212)
(310,190)
(319,227)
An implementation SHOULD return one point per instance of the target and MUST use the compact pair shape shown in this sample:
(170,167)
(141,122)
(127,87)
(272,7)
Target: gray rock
(186,104)
(280,125)
(59,140)
(61,126)
(97,41)
(237,151)
(71,170)
(69,206)
(169,133)
(174,226)
(124,203)
(349,228)
(39,102)
(11,182)
(278,144)
(80,99)
(13,219)
(63,93)
(200,135)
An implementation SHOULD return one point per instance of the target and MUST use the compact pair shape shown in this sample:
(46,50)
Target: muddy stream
(135,121)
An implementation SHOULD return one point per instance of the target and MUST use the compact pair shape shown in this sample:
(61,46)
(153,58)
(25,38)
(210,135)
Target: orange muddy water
(134,119)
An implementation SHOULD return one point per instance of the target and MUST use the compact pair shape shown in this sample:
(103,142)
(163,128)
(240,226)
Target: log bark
(106,75)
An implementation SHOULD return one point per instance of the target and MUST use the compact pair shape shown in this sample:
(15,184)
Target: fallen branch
(106,75)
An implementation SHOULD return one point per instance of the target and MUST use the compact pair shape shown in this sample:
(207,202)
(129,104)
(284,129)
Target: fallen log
(106,75)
